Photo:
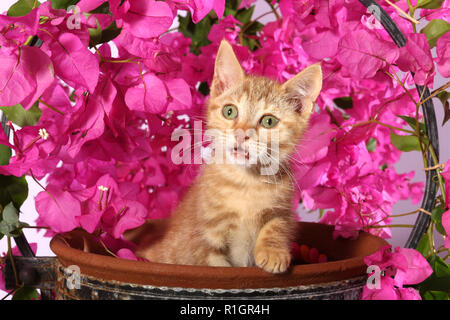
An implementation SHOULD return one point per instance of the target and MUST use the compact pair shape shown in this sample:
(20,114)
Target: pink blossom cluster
(394,269)
(103,139)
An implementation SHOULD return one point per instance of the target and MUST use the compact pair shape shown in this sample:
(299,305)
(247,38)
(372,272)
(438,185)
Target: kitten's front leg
(271,250)
(217,259)
(215,232)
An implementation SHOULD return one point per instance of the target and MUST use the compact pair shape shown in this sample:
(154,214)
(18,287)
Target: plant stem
(396,215)
(393,226)
(392,127)
(35,227)
(438,170)
(431,238)
(13,264)
(273,9)
(50,107)
(411,13)
(403,13)
(436,92)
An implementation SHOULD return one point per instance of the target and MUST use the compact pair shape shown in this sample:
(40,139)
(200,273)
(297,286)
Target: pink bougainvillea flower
(40,67)
(16,83)
(200,8)
(446,225)
(322,45)
(58,209)
(442,13)
(180,95)
(294,8)
(416,270)
(416,57)
(125,253)
(443,55)
(74,63)
(14,31)
(87,124)
(128,214)
(110,114)
(148,96)
(362,53)
(400,267)
(148,18)
(88,5)
(316,140)
(26,76)
(246,3)
(387,291)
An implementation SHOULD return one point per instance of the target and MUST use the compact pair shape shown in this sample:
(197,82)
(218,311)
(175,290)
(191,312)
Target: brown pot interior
(346,262)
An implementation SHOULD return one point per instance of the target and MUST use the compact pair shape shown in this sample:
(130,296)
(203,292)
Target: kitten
(233,215)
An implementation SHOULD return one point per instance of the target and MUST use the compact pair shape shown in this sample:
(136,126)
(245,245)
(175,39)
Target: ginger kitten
(233,214)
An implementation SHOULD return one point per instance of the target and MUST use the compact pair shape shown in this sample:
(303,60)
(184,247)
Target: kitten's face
(259,121)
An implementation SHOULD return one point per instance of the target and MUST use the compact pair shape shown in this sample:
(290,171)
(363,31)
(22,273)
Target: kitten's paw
(273,260)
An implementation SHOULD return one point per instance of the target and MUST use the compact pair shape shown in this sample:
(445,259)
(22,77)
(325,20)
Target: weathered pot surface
(344,272)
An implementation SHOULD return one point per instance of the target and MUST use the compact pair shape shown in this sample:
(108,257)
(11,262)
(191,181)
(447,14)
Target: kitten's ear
(227,70)
(304,88)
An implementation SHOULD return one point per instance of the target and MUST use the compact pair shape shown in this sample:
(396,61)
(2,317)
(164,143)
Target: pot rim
(187,276)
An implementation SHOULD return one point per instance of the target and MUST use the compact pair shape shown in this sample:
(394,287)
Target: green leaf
(245,15)
(103,8)
(344,102)
(203,88)
(372,144)
(436,295)
(424,245)
(5,154)
(13,189)
(63,4)
(429,4)
(197,32)
(436,217)
(22,8)
(22,117)
(10,214)
(95,34)
(434,30)
(6,228)
(412,123)
(439,280)
(444,96)
(441,269)
(26,293)
(110,33)
(405,143)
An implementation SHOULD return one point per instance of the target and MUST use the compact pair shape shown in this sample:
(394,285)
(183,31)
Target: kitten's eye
(269,122)
(230,111)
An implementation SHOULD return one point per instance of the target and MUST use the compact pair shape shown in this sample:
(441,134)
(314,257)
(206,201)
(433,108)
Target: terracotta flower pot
(105,277)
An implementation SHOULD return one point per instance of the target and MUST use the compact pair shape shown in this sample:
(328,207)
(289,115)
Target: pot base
(106,277)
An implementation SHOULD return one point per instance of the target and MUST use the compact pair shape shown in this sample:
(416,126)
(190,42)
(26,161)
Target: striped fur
(232,215)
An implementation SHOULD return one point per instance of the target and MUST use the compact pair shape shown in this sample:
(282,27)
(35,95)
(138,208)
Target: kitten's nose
(241,137)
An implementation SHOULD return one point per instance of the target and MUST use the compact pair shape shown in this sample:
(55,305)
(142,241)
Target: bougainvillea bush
(93,90)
